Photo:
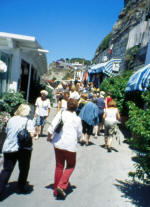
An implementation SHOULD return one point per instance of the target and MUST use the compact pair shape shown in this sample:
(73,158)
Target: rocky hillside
(58,73)
(129,36)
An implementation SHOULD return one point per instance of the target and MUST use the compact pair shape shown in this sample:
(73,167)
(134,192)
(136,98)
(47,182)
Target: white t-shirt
(63,104)
(42,106)
(15,124)
(72,129)
(74,95)
(111,114)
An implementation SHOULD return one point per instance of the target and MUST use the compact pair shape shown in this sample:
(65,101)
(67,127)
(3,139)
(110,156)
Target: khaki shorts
(110,128)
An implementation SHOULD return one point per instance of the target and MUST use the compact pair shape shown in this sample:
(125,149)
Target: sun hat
(44,92)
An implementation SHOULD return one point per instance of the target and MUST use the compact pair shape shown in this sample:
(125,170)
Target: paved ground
(100,178)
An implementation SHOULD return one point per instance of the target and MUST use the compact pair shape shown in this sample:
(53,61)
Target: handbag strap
(61,115)
(26,123)
(25,126)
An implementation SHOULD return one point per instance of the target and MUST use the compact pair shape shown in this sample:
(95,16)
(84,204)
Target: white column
(15,70)
(29,80)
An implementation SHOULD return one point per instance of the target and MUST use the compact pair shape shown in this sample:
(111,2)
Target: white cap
(102,93)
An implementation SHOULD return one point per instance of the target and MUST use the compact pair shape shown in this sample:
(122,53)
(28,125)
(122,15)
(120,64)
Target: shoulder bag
(24,138)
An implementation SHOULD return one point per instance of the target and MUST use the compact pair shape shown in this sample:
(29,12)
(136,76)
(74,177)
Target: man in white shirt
(42,111)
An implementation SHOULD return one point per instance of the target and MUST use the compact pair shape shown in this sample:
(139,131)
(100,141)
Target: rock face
(130,30)
(128,1)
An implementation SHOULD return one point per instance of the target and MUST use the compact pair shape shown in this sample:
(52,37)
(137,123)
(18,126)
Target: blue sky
(67,28)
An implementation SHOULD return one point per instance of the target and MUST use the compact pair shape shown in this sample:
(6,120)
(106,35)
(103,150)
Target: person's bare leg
(95,131)
(106,142)
(100,127)
(37,129)
(82,140)
(109,143)
(42,127)
(87,139)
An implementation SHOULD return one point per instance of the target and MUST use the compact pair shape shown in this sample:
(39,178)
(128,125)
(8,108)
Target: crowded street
(99,179)
(75,103)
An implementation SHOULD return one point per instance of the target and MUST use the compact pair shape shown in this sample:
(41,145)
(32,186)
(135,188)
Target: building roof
(28,45)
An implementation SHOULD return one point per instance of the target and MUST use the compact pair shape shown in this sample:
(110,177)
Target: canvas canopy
(107,68)
(140,80)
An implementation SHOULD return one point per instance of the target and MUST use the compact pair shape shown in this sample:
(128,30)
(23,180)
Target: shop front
(25,61)
(97,73)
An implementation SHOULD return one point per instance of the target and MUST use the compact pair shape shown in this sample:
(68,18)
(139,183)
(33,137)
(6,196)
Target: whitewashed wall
(15,70)
(139,35)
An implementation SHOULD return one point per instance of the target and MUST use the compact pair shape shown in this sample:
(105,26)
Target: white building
(25,60)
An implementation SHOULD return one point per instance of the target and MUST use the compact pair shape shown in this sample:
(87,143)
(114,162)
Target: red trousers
(62,175)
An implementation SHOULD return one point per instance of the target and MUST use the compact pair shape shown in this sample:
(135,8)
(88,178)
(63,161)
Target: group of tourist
(82,110)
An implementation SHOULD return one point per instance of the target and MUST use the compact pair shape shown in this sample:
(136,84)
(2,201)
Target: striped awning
(140,80)
(107,68)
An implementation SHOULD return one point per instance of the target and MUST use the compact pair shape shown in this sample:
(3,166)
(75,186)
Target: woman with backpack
(13,153)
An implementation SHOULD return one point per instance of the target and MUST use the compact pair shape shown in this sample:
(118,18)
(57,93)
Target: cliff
(129,37)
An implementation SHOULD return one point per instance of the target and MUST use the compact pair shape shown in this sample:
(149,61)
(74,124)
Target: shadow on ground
(84,143)
(12,188)
(68,191)
(112,148)
(137,193)
(126,133)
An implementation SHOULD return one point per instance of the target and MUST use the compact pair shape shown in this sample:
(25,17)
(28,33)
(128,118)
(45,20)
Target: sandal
(61,192)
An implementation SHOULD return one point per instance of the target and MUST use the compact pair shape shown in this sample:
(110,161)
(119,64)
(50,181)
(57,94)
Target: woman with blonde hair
(11,151)
(111,115)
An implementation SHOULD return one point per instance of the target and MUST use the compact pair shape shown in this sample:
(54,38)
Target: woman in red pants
(65,145)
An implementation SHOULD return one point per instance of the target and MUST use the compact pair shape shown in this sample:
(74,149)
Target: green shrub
(105,43)
(116,85)
(103,46)
(54,78)
(11,101)
(139,125)
(4,117)
(138,122)
(131,56)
